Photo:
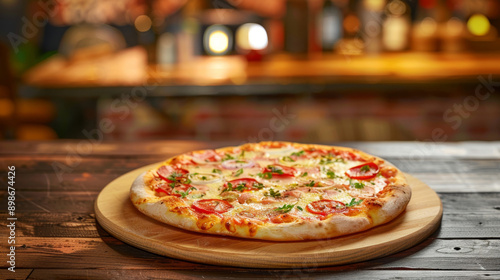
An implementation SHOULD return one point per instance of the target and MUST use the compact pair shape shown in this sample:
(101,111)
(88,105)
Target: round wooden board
(119,217)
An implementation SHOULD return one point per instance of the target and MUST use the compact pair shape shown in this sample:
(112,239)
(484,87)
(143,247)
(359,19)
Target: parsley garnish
(217,171)
(303,174)
(184,194)
(273,193)
(229,188)
(310,184)
(172,185)
(300,208)
(287,158)
(238,172)
(358,185)
(241,186)
(365,168)
(353,202)
(265,175)
(275,169)
(227,157)
(330,174)
(285,208)
(298,154)
(258,185)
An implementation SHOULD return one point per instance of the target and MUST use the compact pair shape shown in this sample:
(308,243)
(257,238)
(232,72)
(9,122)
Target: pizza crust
(174,211)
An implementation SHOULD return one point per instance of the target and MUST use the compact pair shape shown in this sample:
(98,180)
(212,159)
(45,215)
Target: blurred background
(250,70)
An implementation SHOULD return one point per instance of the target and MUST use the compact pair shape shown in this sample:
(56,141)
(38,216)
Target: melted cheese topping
(316,178)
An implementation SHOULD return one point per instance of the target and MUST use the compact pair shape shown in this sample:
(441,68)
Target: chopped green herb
(229,188)
(353,202)
(285,208)
(241,186)
(273,193)
(300,208)
(310,184)
(330,174)
(372,183)
(172,185)
(184,194)
(303,174)
(365,168)
(358,185)
(258,185)
(298,154)
(227,157)
(287,158)
(238,172)
(275,169)
(217,171)
(265,175)
(242,154)
(203,178)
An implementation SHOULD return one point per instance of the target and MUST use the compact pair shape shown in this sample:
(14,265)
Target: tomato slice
(168,172)
(325,207)
(363,171)
(211,206)
(250,184)
(278,170)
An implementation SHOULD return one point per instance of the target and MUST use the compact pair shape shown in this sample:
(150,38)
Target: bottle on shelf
(396,26)
(352,41)
(372,12)
(329,25)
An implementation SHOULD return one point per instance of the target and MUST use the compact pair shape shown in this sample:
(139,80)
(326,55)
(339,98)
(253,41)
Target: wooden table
(57,236)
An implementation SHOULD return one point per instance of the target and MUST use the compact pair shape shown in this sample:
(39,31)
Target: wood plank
(236,273)
(110,253)
(19,274)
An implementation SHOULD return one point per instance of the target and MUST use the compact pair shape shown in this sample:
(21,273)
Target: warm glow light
(478,25)
(217,40)
(143,23)
(251,36)
(257,37)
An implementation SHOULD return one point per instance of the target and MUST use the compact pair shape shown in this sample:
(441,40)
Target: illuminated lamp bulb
(478,25)
(251,36)
(257,37)
(217,40)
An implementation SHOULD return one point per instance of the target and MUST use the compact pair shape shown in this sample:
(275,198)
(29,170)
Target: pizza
(277,191)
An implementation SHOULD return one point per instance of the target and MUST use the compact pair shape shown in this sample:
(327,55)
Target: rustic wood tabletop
(56,235)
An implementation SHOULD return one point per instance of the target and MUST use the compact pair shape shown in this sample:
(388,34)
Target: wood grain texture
(58,237)
(117,215)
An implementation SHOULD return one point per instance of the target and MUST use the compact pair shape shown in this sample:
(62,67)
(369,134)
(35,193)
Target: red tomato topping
(363,171)
(250,184)
(211,206)
(170,173)
(278,170)
(166,189)
(325,207)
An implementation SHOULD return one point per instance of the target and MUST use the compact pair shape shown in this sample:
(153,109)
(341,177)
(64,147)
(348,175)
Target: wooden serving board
(119,217)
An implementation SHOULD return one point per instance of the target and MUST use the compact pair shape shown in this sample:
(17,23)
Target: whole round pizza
(274,191)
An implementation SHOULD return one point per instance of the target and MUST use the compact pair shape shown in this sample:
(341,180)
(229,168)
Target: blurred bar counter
(229,75)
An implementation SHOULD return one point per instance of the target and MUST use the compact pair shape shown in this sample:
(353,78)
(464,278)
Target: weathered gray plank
(236,273)
(109,253)
(412,150)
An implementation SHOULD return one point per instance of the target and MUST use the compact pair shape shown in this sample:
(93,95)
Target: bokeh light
(217,40)
(478,25)
(143,23)
(252,36)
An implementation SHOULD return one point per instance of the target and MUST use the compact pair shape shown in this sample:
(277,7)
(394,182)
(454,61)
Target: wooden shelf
(276,75)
